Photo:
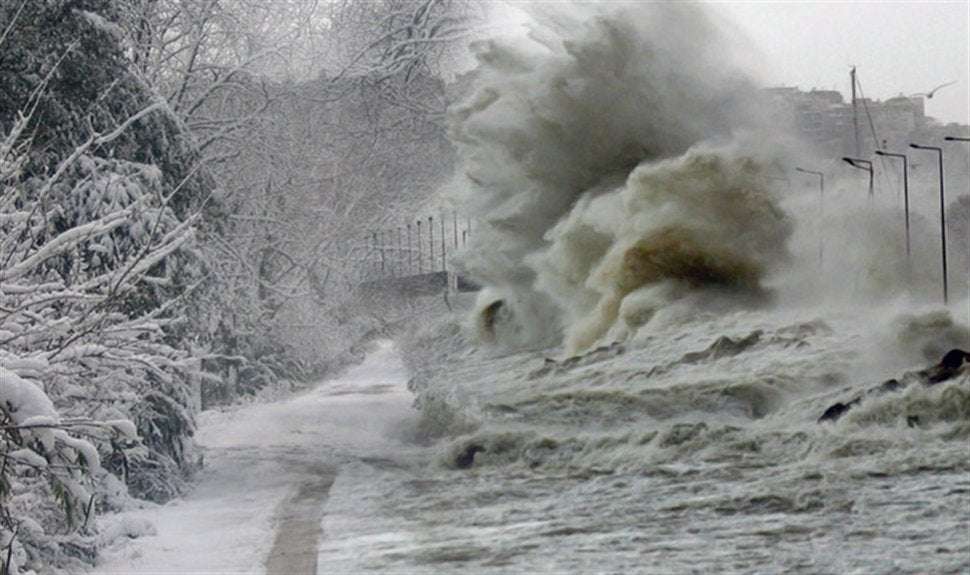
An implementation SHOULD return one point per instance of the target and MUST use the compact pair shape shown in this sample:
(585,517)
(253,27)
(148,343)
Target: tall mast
(855,115)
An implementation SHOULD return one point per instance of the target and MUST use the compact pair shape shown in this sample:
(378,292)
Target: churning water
(695,451)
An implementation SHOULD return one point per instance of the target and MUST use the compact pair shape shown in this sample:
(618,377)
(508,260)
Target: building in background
(824,120)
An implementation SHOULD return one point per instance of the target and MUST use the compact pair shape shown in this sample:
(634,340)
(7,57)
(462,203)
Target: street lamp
(821,205)
(861,165)
(956,139)
(905,191)
(939,152)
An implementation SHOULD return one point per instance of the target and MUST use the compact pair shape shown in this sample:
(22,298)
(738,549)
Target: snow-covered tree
(403,49)
(99,207)
(84,362)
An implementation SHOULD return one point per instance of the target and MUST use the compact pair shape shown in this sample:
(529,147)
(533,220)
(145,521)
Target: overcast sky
(898,46)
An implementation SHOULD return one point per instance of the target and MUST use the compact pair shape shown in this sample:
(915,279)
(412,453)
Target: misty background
(899,47)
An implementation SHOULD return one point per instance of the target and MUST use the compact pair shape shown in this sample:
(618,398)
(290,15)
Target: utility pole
(855,115)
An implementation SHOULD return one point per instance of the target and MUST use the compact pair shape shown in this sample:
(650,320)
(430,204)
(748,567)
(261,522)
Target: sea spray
(856,255)
(580,141)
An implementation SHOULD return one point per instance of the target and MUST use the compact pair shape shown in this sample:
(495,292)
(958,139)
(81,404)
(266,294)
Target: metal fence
(413,257)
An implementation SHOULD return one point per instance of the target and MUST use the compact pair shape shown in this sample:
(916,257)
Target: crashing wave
(611,167)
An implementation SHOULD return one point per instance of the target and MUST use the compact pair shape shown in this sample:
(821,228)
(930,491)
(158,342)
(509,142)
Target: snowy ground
(268,473)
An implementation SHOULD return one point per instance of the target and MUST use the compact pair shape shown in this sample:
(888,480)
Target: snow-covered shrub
(99,221)
(84,251)
(48,465)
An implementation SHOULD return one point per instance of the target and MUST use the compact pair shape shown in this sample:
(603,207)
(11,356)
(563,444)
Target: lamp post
(905,191)
(861,165)
(939,152)
(821,206)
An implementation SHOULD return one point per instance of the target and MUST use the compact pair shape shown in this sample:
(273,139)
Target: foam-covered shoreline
(712,422)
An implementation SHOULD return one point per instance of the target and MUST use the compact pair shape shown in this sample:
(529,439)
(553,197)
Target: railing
(413,258)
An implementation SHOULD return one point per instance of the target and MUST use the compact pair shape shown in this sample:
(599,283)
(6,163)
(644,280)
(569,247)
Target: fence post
(420,257)
(444,265)
(430,244)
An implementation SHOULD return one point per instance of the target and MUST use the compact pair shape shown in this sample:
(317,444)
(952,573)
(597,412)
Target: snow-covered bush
(85,362)
(48,467)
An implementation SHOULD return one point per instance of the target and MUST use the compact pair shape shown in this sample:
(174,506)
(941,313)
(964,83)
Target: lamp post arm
(939,152)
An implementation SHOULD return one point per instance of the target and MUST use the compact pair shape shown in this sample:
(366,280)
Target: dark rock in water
(949,367)
(836,411)
(466,458)
(954,359)
(955,362)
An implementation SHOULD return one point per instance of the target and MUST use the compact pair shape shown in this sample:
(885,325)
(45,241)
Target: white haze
(900,47)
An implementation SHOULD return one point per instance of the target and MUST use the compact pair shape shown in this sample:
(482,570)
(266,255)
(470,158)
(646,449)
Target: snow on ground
(258,458)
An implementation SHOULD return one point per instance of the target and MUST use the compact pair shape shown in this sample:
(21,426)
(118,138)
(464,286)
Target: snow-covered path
(258,505)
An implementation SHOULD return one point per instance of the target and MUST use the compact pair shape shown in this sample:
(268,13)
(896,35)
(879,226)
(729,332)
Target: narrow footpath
(258,505)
